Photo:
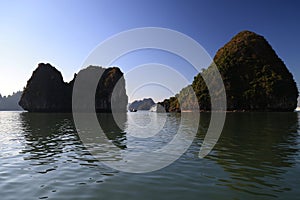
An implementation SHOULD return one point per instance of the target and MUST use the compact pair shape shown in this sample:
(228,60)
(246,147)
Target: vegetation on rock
(255,78)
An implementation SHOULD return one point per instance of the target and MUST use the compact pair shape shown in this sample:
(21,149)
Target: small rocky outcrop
(47,92)
(157,108)
(144,104)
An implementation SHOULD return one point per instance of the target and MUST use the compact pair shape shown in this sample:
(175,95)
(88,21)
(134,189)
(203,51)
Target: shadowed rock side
(47,92)
(110,94)
(255,78)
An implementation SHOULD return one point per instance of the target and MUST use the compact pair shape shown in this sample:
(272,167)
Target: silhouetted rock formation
(47,92)
(10,102)
(144,104)
(255,78)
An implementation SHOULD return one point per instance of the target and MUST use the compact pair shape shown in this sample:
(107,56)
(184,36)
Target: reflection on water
(256,157)
(46,136)
(49,135)
(256,149)
(114,131)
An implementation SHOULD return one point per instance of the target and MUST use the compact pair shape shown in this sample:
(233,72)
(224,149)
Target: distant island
(255,79)
(10,102)
(46,90)
(144,104)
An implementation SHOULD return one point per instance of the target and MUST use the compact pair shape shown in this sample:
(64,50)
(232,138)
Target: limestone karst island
(255,79)
(149,100)
(46,90)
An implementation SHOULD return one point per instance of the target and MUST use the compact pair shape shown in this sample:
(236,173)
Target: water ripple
(257,157)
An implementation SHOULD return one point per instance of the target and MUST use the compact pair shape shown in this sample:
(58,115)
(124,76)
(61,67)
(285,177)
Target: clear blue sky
(64,32)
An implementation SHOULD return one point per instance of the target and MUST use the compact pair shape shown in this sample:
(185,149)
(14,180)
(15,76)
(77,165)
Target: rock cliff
(46,90)
(255,78)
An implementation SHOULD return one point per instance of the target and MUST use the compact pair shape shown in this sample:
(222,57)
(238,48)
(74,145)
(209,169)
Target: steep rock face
(255,78)
(110,89)
(144,104)
(47,92)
